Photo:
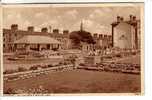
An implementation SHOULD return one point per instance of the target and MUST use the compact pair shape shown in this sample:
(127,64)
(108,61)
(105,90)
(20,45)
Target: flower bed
(34,71)
(114,67)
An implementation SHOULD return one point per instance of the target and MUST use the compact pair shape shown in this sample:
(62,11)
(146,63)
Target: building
(126,33)
(103,41)
(35,42)
(13,34)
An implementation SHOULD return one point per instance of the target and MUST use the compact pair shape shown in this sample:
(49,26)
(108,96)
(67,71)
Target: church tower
(81,26)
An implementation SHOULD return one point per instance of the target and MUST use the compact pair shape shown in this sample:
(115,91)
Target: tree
(81,36)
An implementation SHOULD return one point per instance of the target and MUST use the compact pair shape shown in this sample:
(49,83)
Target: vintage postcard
(73,49)
(1,63)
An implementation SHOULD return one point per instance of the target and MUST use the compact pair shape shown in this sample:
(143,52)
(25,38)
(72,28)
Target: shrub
(54,49)
(108,57)
(98,64)
(133,53)
(60,63)
(82,64)
(50,65)
(106,69)
(10,71)
(9,91)
(118,55)
(44,66)
(21,69)
(12,77)
(65,63)
(101,58)
(33,68)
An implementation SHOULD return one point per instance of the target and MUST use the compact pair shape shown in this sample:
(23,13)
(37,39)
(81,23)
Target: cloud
(72,14)
(96,13)
(13,18)
(96,19)
(27,23)
(41,17)
(59,17)
(9,16)
(88,23)
(96,27)
(18,16)
(54,23)
(93,27)
(40,14)
(91,16)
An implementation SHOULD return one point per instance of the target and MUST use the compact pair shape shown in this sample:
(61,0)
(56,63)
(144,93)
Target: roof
(128,22)
(35,39)
(9,31)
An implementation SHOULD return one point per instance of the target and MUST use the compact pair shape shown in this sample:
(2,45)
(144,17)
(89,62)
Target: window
(15,35)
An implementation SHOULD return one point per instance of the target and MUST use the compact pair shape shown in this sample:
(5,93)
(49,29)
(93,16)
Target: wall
(122,36)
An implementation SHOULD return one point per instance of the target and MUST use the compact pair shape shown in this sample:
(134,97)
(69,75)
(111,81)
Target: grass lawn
(81,81)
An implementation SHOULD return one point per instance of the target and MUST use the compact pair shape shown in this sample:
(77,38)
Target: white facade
(123,36)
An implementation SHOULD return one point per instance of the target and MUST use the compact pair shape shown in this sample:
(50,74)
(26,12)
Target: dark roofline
(34,33)
(128,22)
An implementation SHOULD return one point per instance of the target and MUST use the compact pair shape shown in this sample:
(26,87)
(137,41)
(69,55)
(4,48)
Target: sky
(96,19)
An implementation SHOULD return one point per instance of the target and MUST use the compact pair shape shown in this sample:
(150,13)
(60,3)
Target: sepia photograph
(1,50)
(51,49)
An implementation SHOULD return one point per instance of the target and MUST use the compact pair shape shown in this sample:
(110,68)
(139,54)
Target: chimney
(65,32)
(56,31)
(50,29)
(105,36)
(121,18)
(100,36)
(109,37)
(45,30)
(30,29)
(134,18)
(118,18)
(14,27)
(131,17)
(95,35)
